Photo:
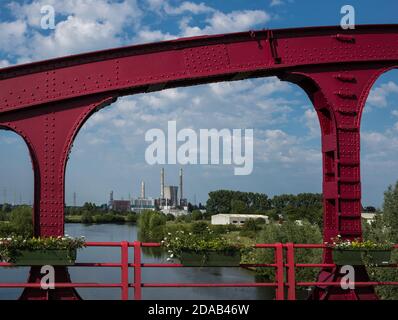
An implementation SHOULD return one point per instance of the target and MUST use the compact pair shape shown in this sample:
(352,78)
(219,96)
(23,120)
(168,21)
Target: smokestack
(181,193)
(162,183)
(142,190)
(111,196)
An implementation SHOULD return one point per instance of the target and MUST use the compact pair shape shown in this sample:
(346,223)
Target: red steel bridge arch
(47,102)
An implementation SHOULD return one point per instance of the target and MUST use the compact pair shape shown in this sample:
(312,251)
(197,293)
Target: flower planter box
(360,257)
(210,259)
(347,257)
(46,257)
(378,257)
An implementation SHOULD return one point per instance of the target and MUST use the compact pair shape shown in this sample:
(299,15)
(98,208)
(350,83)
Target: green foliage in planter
(202,242)
(11,247)
(367,245)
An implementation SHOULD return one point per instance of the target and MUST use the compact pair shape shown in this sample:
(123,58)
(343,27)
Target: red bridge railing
(284,260)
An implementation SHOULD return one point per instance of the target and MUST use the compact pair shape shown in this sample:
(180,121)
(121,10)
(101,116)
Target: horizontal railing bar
(104,244)
(96,264)
(179,265)
(61,285)
(205,285)
(359,284)
(315,265)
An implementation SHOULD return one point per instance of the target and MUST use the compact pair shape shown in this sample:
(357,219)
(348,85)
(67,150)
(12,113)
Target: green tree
(196,215)
(238,207)
(131,217)
(87,218)
(289,231)
(390,211)
(199,227)
(385,228)
(221,201)
(151,225)
(21,218)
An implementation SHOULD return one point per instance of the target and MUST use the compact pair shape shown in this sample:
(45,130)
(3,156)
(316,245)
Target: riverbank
(102,218)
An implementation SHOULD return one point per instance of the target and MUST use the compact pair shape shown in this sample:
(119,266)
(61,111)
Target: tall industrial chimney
(181,193)
(162,183)
(142,189)
(111,196)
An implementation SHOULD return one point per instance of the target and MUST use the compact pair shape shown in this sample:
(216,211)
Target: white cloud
(81,25)
(4,63)
(312,122)
(276,3)
(279,147)
(378,96)
(12,36)
(187,6)
(146,35)
(221,22)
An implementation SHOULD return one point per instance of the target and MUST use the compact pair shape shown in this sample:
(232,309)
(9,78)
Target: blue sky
(108,153)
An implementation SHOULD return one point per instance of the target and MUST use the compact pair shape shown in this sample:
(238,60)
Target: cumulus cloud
(221,22)
(4,63)
(311,121)
(378,96)
(276,3)
(12,37)
(81,25)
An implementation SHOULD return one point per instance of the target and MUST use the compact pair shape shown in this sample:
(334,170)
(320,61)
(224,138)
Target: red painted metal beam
(47,102)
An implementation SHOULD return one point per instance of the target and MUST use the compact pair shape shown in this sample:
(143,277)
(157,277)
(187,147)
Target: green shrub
(131,217)
(87,218)
(199,227)
(196,215)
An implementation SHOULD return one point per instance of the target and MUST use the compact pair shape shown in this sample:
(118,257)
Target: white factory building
(237,219)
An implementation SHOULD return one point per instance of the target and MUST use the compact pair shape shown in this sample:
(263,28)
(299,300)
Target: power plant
(169,202)
(169,198)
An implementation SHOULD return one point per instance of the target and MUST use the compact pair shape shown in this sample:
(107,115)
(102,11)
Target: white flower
(168,259)
(172,255)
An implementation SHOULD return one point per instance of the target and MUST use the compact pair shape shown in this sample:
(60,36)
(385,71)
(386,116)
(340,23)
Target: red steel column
(279,274)
(291,271)
(49,131)
(339,95)
(125,269)
(137,271)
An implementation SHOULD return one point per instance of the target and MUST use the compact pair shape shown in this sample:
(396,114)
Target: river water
(121,232)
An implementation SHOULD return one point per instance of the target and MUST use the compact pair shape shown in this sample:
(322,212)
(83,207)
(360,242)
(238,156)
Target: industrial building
(142,203)
(170,202)
(119,205)
(237,219)
(171,199)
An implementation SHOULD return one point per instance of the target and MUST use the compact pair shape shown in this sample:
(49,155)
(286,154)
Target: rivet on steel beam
(345,77)
(346,95)
(344,38)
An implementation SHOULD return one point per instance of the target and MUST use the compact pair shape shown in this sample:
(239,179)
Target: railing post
(291,271)
(137,270)
(279,276)
(125,270)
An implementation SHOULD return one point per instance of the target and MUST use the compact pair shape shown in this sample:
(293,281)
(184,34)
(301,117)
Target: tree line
(303,206)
